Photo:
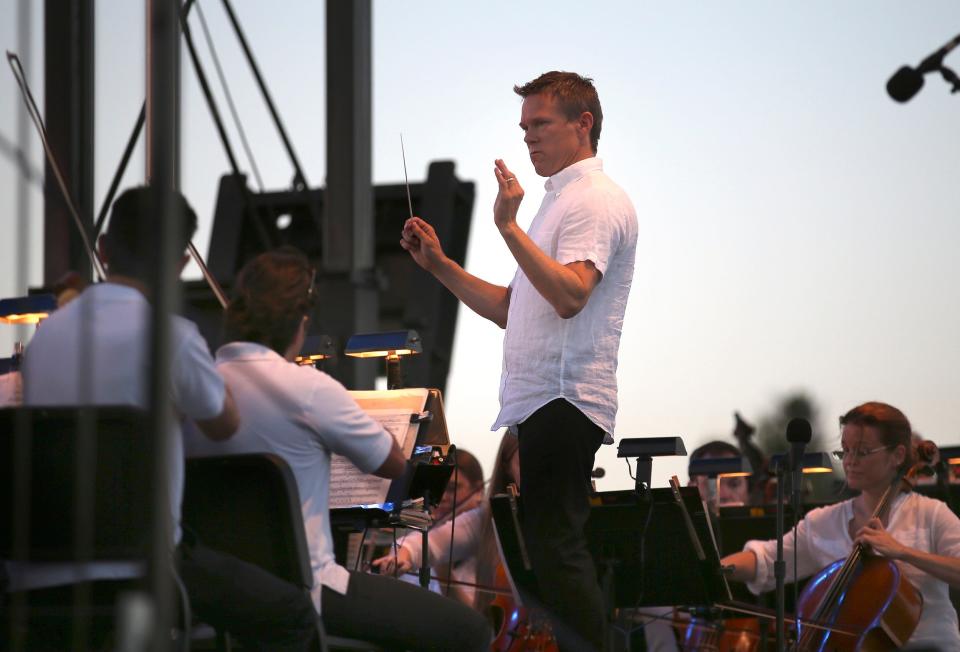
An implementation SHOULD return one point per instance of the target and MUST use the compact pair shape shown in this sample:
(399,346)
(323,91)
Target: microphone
(907,82)
(598,472)
(904,84)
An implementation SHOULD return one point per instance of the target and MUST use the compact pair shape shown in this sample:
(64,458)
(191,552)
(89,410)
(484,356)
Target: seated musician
(95,351)
(303,415)
(464,492)
(731,491)
(472,533)
(921,533)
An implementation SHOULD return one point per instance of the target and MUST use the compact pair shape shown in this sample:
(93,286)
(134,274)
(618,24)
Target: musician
(921,533)
(731,491)
(563,314)
(465,489)
(472,533)
(304,416)
(95,351)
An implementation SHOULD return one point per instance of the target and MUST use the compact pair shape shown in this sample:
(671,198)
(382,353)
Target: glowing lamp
(316,348)
(27,310)
(391,345)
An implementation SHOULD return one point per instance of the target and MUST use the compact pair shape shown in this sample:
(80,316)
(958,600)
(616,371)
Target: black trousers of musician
(400,616)
(263,611)
(557,448)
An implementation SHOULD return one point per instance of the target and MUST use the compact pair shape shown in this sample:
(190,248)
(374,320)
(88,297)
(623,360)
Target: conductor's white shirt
(584,216)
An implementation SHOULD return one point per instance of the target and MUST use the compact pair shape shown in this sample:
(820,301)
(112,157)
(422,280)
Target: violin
(864,595)
(705,631)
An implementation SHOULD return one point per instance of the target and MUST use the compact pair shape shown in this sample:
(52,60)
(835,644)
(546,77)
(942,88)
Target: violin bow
(37,119)
(98,267)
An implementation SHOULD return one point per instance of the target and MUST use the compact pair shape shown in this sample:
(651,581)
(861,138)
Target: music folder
(415,418)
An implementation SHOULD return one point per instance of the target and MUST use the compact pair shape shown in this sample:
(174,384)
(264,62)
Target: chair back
(249,506)
(74,483)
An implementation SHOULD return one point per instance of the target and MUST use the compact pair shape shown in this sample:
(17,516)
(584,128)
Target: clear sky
(798,229)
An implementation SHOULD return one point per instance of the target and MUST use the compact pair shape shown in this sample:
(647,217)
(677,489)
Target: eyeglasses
(858,454)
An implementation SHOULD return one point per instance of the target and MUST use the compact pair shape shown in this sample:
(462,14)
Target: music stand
(646,554)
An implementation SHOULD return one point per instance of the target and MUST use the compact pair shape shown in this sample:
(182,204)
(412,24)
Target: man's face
(553,141)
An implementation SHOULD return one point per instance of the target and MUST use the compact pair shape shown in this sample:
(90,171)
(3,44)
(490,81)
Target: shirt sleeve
(590,230)
(197,388)
(766,552)
(342,426)
(946,531)
(466,539)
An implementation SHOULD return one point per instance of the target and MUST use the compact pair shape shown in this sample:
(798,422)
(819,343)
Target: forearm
(943,568)
(486,299)
(744,566)
(562,288)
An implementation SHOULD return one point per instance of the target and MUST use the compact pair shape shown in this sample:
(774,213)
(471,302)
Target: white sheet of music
(349,485)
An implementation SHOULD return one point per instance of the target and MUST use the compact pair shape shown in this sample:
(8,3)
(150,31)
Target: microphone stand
(796,466)
(780,566)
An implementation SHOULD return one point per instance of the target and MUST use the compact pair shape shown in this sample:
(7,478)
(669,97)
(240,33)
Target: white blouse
(916,521)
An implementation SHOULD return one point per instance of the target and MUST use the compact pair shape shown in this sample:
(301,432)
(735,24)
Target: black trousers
(557,448)
(401,616)
(263,611)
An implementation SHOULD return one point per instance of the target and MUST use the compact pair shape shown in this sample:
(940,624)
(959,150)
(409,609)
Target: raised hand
(421,241)
(508,199)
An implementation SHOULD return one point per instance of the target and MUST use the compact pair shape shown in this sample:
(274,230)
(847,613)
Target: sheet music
(351,486)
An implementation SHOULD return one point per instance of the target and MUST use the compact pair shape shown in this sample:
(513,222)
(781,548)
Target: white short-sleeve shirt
(95,351)
(584,216)
(823,537)
(302,415)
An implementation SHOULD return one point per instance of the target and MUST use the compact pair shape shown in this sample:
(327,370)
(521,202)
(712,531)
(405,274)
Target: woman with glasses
(920,533)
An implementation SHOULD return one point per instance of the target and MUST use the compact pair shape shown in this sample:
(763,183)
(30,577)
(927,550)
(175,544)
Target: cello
(865,599)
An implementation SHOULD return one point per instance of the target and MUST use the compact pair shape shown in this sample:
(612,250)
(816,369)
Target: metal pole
(162,110)
(348,201)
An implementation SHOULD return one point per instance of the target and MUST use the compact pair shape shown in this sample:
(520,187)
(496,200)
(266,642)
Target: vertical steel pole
(348,227)
(162,110)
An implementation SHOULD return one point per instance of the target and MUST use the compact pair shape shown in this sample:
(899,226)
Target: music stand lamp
(316,349)
(645,449)
(27,310)
(30,309)
(718,468)
(391,345)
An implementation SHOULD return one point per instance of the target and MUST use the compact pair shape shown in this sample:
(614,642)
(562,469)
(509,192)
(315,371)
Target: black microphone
(908,81)
(904,84)
(598,472)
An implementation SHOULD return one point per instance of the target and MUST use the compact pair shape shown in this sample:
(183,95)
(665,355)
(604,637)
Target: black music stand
(645,553)
(645,449)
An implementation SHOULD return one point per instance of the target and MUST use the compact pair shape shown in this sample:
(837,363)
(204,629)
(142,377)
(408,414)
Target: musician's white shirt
(584,216)
(919,522)
(467,540)
(95,351)
(302,415)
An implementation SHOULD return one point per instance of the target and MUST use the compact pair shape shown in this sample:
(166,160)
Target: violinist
(304,416)
(94,351)
(728,491)
(472,532)
(921,534)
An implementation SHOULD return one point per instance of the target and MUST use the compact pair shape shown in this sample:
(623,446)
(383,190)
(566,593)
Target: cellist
(920,533)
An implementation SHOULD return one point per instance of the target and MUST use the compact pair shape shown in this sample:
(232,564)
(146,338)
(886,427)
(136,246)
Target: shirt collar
(108,290)
(571,173)
(247,351)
